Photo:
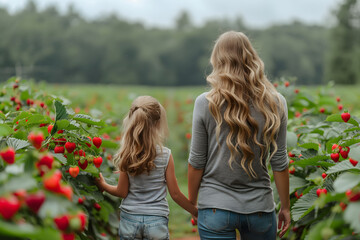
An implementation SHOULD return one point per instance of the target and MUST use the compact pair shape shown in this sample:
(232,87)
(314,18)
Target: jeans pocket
(157,229)
(127,229)
(261,222)
(214,219)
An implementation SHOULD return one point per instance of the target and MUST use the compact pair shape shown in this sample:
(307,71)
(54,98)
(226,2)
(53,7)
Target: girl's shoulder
(161,151)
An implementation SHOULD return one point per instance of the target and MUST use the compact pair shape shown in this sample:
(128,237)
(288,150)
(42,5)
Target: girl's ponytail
(143,132)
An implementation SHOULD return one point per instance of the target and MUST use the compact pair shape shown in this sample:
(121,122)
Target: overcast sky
(162,13)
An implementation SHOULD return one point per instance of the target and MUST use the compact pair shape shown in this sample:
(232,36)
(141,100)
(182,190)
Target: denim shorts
(222,224)
(133,226)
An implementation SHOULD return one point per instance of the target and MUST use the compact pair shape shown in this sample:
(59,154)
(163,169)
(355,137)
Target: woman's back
(226,187)
(147,192)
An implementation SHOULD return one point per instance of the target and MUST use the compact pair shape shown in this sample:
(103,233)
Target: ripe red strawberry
(50,127)
(98,161)
(83,165)
(89,144)
(292,170)
(276,85)
(9,207)
(344,152)
(66,191)
(83,219)
(97,141)
(188,135)
(340,107)
(59,149)
(193,222)
(322,110)
(42,105)
(291,154)
(97,206)
(74,171)
(62,222)
(36,139)
(335,147)
(338,99)
(335,157)
(35,201)
(45,163)
(8,155)
(52,183)
(81,200)
(352,196)
(321,191)
(70,147)
(353,162)
(345,116)
(286,83)
(324,175)
(291,161)
(343,206)
(296,91)
(68,236)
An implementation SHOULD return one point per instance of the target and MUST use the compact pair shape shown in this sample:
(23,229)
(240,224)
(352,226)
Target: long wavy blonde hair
(144,128)
(238,80)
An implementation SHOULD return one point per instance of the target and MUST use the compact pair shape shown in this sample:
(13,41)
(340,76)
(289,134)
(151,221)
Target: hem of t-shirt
(145,213)
(241,212)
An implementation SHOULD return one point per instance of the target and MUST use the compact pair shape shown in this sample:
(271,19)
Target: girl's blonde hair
(237,81)
(144,129)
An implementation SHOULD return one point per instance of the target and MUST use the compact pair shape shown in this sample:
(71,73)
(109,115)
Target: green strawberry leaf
(5,130)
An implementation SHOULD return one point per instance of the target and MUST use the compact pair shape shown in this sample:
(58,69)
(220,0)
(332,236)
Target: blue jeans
(143,227)
(222,224)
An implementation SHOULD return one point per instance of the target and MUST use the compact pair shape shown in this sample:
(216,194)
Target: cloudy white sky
(162,13)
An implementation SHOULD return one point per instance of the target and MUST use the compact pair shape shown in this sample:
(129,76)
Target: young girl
(146,168)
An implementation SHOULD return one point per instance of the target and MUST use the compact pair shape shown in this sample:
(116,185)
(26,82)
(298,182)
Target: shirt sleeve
(199,139)
(280,161)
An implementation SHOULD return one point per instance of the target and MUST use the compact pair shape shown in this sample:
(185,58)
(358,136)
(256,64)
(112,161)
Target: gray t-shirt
(225,188)
(147,192)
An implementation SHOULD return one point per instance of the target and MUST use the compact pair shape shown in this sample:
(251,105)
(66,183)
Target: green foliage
(48,45)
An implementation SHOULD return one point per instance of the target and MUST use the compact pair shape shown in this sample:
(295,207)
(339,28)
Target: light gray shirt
(147,192)
(232,189)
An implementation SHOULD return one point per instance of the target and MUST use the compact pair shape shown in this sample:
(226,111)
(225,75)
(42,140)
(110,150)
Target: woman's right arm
(279,164)
(198,149)
(282,185)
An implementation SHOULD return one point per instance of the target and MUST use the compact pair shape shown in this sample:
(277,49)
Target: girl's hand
(100,181)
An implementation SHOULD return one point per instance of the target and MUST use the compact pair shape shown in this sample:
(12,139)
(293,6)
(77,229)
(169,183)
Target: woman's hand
(100,182)
(284,221)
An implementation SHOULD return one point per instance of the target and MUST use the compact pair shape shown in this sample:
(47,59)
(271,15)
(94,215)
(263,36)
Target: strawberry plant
(43,142)
(325,150)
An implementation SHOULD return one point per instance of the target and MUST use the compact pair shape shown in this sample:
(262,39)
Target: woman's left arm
(121,190)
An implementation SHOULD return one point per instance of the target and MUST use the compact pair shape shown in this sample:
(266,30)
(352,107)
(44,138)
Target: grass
(114,101)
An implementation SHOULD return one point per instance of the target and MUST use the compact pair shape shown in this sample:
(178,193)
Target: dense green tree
(344,54)
(65,47)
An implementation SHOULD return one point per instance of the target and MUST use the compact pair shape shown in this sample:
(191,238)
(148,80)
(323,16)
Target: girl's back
(147,192)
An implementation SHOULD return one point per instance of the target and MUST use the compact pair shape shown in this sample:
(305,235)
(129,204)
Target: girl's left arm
(121,190)
(174,190)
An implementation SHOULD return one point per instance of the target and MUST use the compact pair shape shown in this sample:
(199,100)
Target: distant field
(114,101)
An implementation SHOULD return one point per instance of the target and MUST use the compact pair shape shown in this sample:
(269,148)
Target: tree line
(68,48)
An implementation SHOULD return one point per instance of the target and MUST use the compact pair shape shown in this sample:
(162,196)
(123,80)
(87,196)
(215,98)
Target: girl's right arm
(174,190)
(121,190)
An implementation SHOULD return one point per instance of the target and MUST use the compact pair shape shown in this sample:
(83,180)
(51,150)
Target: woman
(238,125)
